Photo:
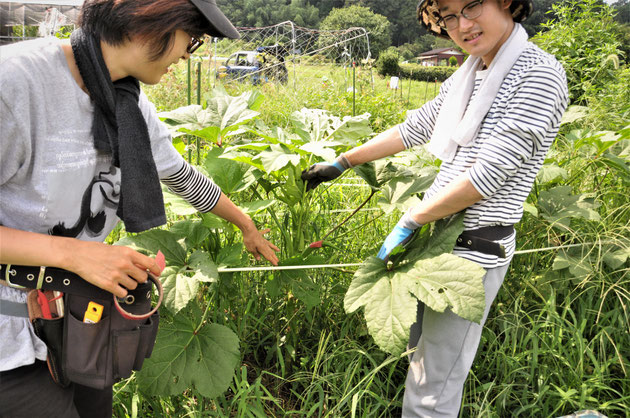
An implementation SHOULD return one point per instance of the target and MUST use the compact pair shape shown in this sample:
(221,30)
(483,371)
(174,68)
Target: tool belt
(483,239)
(96,354)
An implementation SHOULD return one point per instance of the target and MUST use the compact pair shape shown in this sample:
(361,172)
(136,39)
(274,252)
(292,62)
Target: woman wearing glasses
(491,126)
(81,148)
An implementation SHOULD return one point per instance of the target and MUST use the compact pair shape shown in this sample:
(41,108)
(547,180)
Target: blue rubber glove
(321,172)
(400,235)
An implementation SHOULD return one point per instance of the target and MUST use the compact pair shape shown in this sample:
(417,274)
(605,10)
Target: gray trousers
(29,392)
(446,346)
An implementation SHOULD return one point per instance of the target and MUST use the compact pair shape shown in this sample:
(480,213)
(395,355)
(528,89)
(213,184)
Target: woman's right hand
(111,267)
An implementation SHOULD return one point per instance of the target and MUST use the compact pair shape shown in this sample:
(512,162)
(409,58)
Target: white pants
(446,347)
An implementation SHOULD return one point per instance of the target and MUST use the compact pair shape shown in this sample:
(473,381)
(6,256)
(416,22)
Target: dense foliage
(306,342)
(376,25)
(585,39)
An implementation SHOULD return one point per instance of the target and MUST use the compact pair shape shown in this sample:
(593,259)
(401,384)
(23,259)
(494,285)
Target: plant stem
(351,215)
(203,318)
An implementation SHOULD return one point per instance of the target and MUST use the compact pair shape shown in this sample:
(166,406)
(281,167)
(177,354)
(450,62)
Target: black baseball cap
(220,26)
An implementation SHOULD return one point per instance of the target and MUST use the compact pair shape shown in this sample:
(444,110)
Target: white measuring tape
(324,266)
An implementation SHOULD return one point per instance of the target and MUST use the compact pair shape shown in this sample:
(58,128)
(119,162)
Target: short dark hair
(155,21)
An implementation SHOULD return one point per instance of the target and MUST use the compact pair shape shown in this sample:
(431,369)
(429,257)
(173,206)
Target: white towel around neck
(445,139)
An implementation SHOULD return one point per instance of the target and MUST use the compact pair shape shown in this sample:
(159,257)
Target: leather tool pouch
(99,354)
(50,331)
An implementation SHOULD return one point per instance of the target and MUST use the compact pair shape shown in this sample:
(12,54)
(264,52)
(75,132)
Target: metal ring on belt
(128,315)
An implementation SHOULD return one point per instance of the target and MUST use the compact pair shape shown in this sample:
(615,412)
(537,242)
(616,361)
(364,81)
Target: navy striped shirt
(194,187)
(503,159)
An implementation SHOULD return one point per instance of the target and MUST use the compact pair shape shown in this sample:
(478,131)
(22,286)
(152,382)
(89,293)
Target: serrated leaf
(157,239)
(353,128)
(558,206)
(256,206)
(177,204)
(616,259)
(377,173)
(192,117)
(206,270)
(574,113)
(363,283)
(306,291)
(442,281)
(209,133)
(322,149)
(230,176)
(389,313)
(179,288)
(449,281)
(230,256)
(441,240)
(277,158)
(399,194)
(551,172)
(184,358)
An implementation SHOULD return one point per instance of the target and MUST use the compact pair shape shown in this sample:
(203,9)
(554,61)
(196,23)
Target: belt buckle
(8,272)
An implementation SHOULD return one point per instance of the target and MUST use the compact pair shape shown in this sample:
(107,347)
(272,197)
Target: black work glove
(321,172)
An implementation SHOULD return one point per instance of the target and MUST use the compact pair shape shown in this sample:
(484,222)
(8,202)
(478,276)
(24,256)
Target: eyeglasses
(470,11)
(194,44)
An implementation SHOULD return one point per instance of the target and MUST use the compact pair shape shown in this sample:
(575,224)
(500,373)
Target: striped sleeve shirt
(503,159)
(194,187)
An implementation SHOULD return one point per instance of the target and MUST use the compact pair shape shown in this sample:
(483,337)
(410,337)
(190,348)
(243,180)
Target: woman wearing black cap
(81,148)
(491,125)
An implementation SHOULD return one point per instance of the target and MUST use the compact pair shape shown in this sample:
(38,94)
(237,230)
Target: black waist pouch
(100,354)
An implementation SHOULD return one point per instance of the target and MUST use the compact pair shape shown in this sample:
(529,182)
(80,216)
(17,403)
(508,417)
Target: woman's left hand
(258,245)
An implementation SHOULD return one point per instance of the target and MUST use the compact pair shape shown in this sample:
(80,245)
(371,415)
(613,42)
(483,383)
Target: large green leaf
(192,118)
(256,206)
(177,204)
(323,149)
(157,239)
(314,125)
(311,124)
(230,256)
(390,312)
(179,288)
(551,172)
(449,281)
(231,176)
(378,173)
(445,281)
(400,193)
(277,158)
(429,243)
(558,206)
(352,129)
(425,270)
(205,269)
(185,357)
(222,115)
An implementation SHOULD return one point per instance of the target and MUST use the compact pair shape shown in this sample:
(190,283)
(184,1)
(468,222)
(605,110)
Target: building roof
(442,51)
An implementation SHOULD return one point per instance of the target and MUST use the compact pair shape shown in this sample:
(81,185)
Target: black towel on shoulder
(119,129)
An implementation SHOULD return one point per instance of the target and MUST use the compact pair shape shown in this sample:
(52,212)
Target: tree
(401,15)
(260,13)
(584,38)
(378,26)
(623,11)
